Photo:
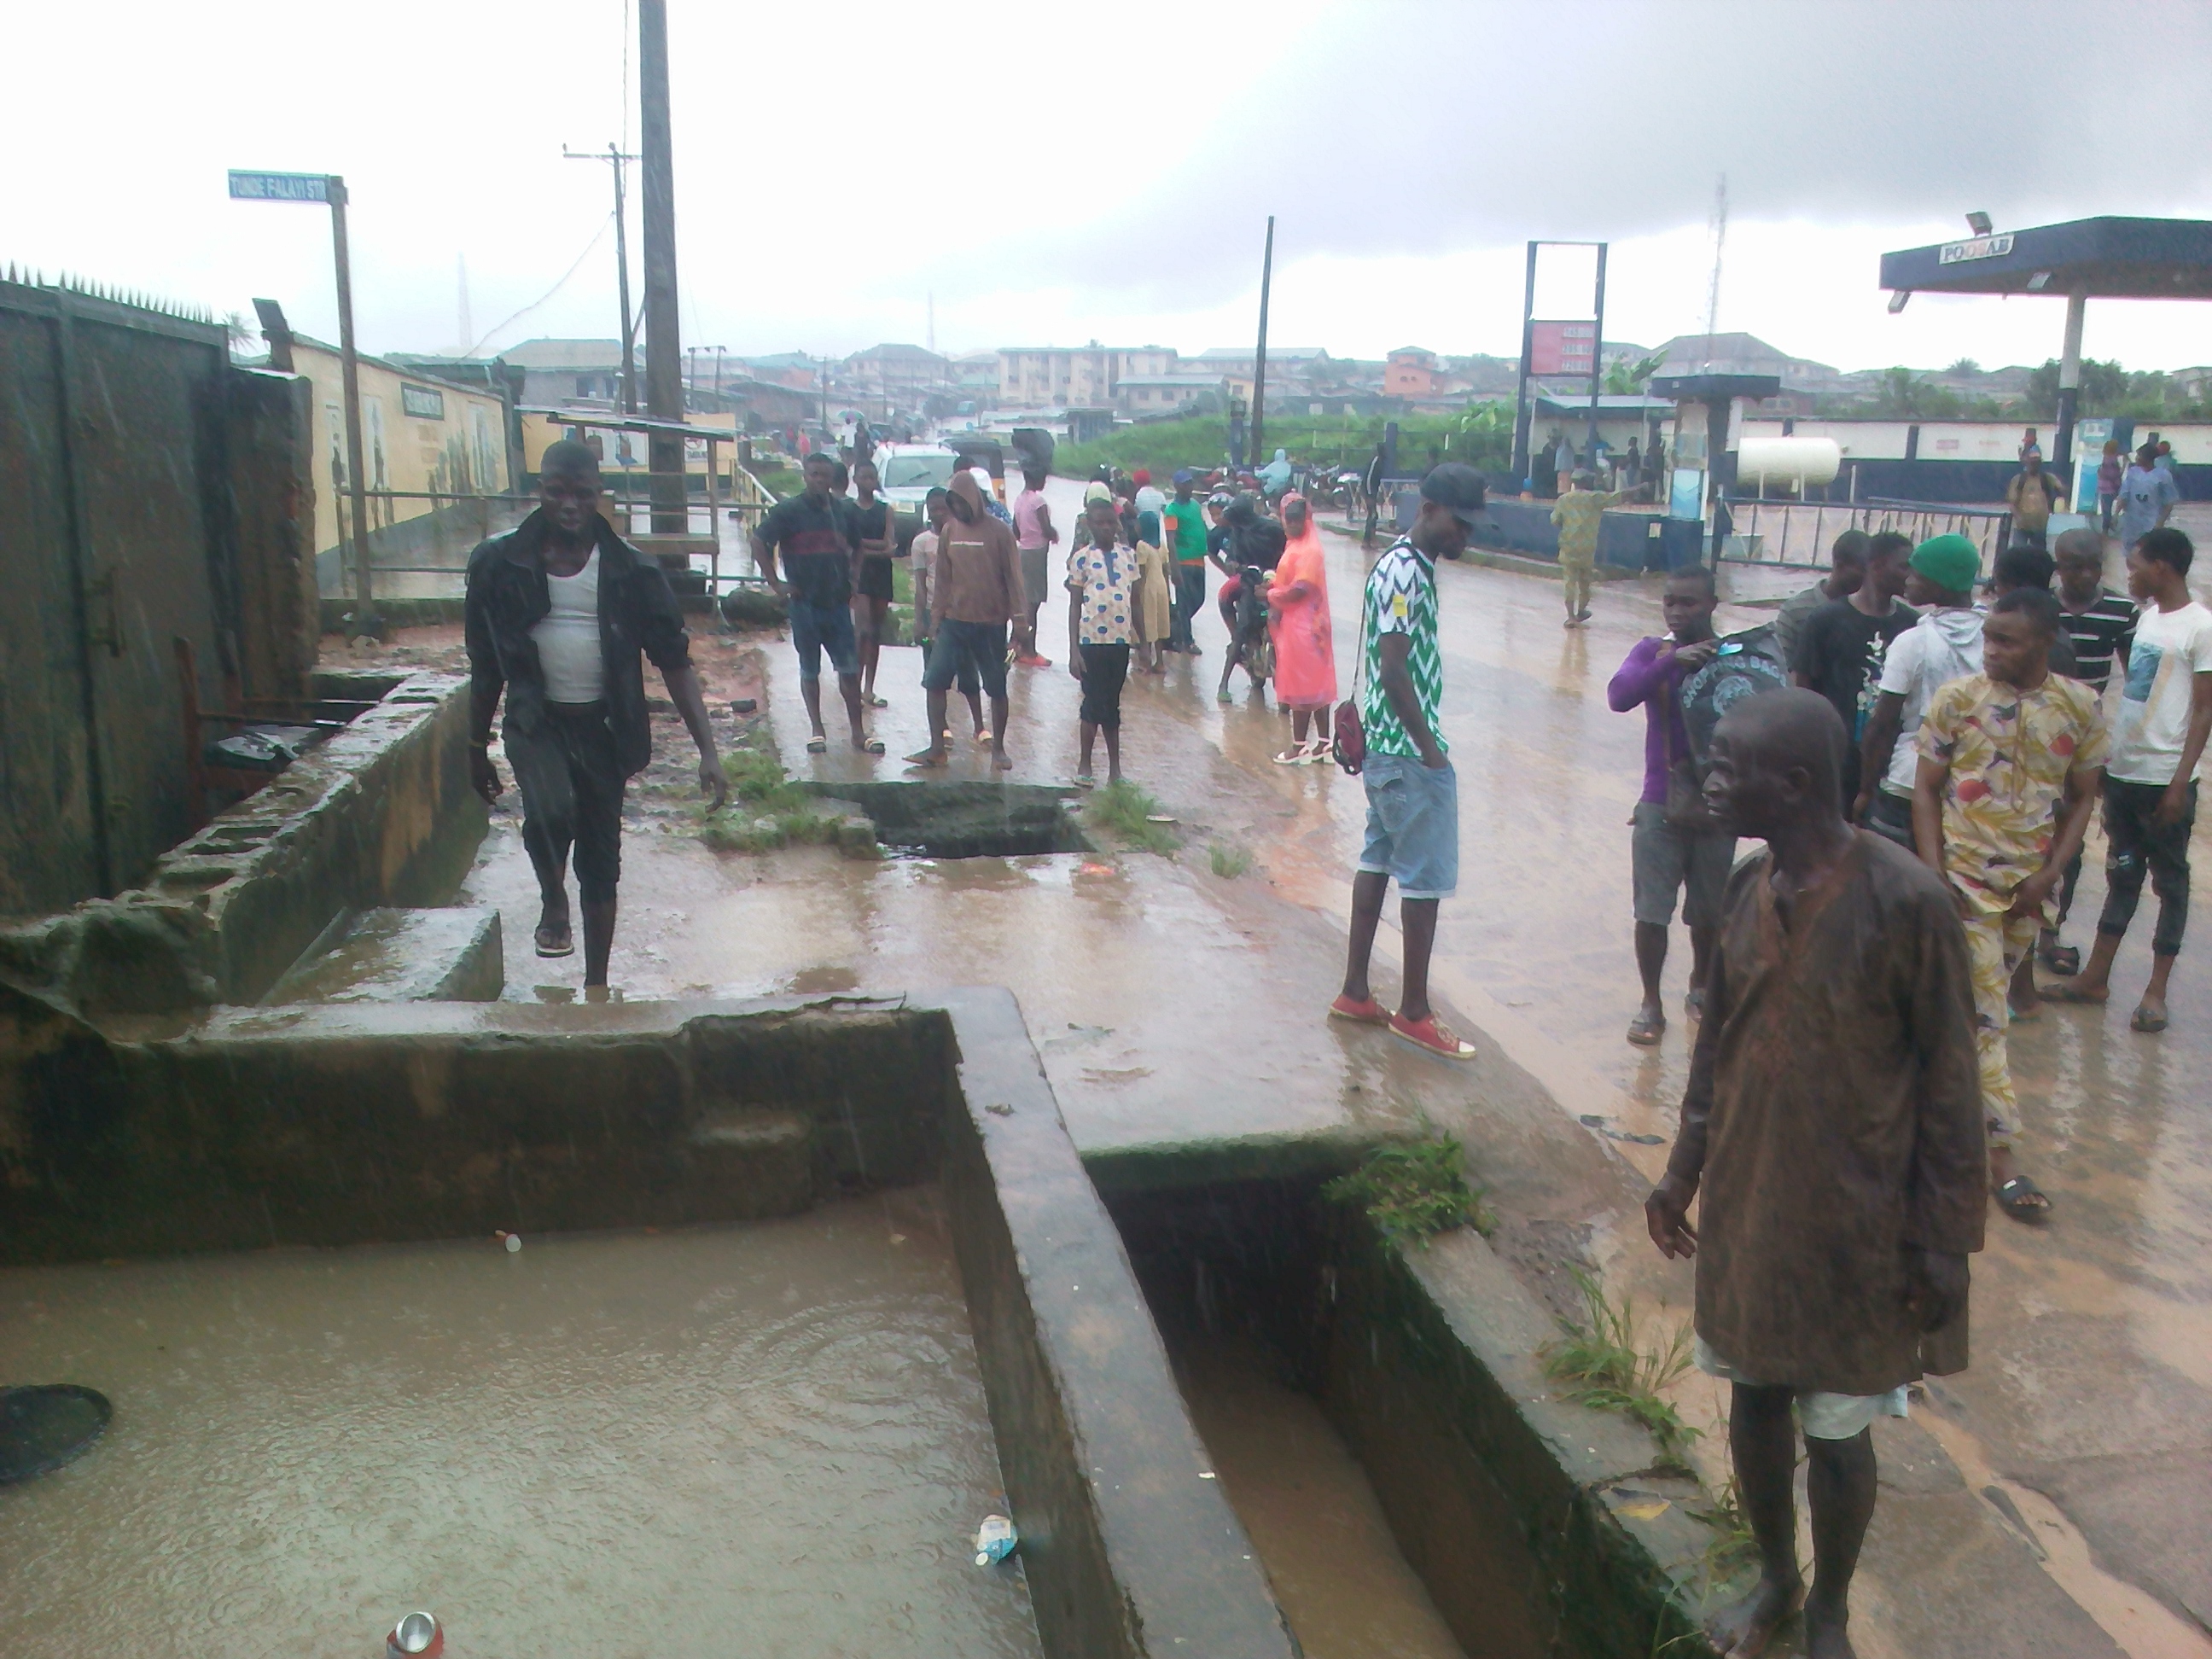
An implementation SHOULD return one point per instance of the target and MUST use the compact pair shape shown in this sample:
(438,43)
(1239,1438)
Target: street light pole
(366,622)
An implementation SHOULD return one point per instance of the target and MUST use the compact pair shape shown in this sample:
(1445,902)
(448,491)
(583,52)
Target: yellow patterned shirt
(1576,513)
(2010,751)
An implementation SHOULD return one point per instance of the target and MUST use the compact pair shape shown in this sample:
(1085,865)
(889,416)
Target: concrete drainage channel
(955,820)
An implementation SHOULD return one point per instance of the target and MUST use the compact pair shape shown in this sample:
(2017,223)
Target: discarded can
(994,1539)
(416,1637)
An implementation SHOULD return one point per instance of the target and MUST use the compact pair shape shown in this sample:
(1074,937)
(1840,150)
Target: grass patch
(1411,1193)
(1734,1546)
(1597,1362)
(1229,862)
(766,810)
(1127,812)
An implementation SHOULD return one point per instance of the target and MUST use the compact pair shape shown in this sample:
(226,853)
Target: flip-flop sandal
(554,943)
(872,746)
(1084,781)
(1295,755)
(2023,1200)
(2064,960)
(818,745)
(2022,1016)
(2150,1024)
(1694,1004)
(1645,1031)
(875,702)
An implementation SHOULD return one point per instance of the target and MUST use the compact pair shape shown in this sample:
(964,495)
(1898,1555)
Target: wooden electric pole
(664,364)
(1260,358)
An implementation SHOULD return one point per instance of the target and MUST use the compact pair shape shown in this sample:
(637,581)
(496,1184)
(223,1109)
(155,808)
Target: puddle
(769,1438)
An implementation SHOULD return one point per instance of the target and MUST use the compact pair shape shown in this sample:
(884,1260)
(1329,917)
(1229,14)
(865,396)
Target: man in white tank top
(558,612)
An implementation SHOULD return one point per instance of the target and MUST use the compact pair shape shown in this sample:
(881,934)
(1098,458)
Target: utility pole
(619,162)
(1260,357)
(367,624)
(664,371)
(1597,358)
(1521,410)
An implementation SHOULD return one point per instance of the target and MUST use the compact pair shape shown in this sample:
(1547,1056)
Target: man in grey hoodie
(1944,645)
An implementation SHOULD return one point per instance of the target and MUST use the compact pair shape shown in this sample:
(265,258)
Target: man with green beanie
(1944,645)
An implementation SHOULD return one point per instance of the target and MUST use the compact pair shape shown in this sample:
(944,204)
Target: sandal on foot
(1694,1004)
(870,746)
(1369,1012)
(2022,1199)
(2063,960)
(2145,1021)
(926,757)
(875,702)
(554,942)
(1294,756)
(1431,1034)
(818,745)
(1645,1030)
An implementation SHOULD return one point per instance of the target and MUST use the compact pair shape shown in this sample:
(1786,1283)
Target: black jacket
(507,597)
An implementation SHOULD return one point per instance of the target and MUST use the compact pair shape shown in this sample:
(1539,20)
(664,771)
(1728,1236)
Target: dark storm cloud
(1411,128)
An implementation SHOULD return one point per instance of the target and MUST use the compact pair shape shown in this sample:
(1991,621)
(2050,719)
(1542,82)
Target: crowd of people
(1923,783)
(1133,569)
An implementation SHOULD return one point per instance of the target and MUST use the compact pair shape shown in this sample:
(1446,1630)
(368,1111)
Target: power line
(551,291)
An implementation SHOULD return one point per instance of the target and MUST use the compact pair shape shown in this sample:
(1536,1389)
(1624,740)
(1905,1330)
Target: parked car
(908,472)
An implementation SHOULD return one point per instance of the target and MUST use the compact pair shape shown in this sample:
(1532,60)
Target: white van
(909,471)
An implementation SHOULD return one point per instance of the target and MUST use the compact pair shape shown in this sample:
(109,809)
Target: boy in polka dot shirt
(1102,619)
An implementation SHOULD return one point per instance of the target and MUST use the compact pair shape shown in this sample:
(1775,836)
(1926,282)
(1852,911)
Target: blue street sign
(280,186)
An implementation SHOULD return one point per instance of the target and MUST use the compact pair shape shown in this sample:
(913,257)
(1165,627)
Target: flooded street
(768,1439)
(1172,1003)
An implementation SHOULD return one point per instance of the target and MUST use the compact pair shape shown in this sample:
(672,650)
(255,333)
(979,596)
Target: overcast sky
(1106,173)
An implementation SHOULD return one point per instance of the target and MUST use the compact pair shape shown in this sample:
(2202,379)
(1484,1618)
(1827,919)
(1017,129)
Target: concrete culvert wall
(1536,1527)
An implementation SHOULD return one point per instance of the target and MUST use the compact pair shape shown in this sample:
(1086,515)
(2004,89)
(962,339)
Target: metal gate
(112,500)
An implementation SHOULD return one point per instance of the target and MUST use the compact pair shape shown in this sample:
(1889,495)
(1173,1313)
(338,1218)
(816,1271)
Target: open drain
(963,820)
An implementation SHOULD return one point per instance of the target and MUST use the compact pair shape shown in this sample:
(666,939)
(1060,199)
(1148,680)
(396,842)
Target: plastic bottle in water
(994,1539)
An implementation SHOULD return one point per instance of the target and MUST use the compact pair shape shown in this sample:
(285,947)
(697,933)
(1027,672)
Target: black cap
(1459,486)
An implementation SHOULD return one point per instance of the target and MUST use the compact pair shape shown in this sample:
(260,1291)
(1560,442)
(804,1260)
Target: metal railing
(1798,535)
(425,554)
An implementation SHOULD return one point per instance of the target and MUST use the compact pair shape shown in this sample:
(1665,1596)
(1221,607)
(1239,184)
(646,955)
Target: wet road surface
(1172,1003)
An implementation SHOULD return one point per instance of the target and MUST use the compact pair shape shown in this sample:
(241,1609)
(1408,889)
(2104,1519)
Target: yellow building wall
(461,452)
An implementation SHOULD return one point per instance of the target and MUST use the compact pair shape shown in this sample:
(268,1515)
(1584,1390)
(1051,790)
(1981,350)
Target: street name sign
(279,187)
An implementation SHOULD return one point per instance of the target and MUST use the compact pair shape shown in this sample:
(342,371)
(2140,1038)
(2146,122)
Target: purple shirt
(1649,679)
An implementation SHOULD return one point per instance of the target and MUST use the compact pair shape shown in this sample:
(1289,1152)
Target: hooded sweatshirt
(1944,645)
(977,574)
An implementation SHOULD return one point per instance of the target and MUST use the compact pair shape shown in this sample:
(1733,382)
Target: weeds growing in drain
(1127,812)
(1597,1362)
(1733,1545)
(1414,1191)
(1229,862)
(766,810)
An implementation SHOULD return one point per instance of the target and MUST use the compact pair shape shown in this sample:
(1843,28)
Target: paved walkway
(2054,1499)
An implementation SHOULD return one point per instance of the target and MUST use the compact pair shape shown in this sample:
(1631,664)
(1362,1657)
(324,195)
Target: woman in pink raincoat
(1297,622)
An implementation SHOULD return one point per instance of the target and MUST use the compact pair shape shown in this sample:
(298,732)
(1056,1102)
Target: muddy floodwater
(1307,1506)
(767,1439)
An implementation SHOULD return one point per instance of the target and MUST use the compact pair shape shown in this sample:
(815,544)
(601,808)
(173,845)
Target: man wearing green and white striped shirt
(1412,794)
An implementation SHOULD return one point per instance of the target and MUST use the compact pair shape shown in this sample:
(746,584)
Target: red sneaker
(1033,660)
(1369,1012)
(1431,1034)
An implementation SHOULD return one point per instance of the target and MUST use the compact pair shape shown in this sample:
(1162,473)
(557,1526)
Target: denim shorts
(963,647)
(1413,825)
(816,629)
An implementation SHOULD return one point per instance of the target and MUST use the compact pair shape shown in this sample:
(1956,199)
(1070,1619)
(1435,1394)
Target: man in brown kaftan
(1833,1121)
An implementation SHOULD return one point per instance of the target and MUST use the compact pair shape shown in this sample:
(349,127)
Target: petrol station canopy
(2107,258)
